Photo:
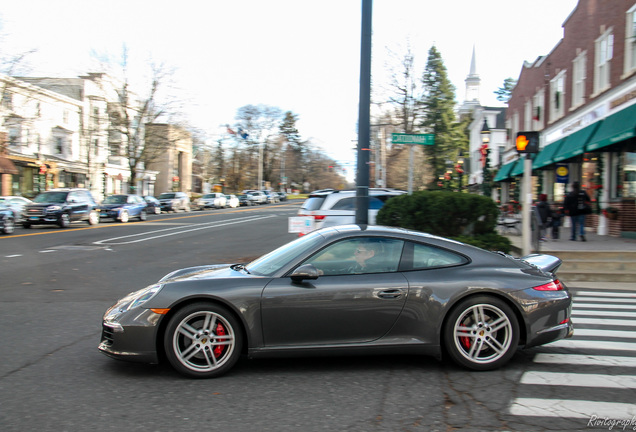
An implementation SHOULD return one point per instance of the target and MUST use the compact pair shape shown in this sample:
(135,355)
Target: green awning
(546,156)
(504,172)
(574,144)
(518,169)
(615,128)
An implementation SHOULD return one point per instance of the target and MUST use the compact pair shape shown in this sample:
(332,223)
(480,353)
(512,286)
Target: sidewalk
(594,243)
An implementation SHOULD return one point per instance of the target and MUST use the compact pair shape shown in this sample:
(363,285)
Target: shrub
(470,218)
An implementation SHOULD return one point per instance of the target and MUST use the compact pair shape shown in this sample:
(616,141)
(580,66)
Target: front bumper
(131,336)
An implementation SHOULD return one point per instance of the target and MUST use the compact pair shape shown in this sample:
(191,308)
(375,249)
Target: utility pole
(364,117)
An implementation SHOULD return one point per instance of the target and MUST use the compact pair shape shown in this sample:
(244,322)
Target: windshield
(166,196)
(51,197)
(269,264)
(209,196)
(115,199)
(313,203)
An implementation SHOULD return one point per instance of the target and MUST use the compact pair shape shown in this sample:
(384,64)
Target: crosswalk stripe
(578,300)
(605,333)
(572,409)
(615,314)
(585,360)
(593,345)
(604,321)
(579,379)
(626,294)
(604,306)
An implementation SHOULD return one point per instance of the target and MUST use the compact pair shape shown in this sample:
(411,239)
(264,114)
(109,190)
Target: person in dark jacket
(577,205)
(545,214)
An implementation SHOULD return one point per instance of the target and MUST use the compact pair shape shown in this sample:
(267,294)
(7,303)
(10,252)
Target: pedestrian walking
(577,205)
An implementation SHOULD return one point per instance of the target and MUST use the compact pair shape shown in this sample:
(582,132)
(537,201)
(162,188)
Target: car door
(339,307)
(78,205)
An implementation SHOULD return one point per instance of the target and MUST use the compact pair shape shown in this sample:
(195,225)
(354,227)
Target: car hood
(201,272)
(110,206)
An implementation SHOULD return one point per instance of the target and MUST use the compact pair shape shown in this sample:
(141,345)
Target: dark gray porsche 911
(345,290)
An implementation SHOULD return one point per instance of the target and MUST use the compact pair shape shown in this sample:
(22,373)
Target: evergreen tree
(294,151)
(504,93)
(440,118)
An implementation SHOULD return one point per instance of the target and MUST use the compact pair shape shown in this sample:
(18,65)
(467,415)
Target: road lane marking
(181,230)
(572,408)
(593,345)
(579,380)
(605,306)
(12,256)
(613,314)
(605,333)
(604,321)
(586,300)
(604,294)
(585,360)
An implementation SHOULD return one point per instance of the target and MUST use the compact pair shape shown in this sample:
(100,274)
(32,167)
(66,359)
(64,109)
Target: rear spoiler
(547,263)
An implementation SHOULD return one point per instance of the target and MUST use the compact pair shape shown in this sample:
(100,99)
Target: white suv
(331,207)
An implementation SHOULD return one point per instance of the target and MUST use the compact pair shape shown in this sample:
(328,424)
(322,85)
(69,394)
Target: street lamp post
(485,172)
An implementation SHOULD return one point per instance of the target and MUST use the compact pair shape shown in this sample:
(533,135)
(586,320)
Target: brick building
(581,97)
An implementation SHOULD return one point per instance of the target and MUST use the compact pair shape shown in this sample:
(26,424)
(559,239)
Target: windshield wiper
(237,267)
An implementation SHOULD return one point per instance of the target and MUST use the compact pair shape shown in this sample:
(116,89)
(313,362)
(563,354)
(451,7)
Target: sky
(298,55)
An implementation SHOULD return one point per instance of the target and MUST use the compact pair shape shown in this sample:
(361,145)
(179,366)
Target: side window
(376,203)
(423,256)
(73,197)
(359,256)
(345,204)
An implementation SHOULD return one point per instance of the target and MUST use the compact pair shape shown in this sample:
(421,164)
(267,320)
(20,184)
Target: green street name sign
(423,139)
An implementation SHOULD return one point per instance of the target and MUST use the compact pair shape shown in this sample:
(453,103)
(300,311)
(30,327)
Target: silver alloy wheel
(483,333)
(64,221)
(9,225)
(203,341)
(123,216)
(143,215)
(93,218)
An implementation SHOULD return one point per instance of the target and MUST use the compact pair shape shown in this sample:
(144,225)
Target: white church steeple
(471,99)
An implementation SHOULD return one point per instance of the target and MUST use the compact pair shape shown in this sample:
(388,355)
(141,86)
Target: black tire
(202,355)
(93,218)
(124,217)
(26,225)
(143,215)
(64,220)
(481,333)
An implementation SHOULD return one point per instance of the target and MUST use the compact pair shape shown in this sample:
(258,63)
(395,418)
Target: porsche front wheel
(481,333)
(203,340)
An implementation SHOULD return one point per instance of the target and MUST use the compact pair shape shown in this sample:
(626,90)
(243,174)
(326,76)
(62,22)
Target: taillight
(319,217)
(555,285)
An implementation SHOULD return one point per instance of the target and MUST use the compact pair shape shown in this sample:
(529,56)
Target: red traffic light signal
(527,142)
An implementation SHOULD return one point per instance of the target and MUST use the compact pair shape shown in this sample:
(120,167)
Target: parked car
(154,206)
(122,207)
(331,207)
(7,219)
(232,201)
(272,197)
(282,196)
(17,204)
(258,197)
(324,293)
(211,200)
(174,201)
(61,207)
(246,200)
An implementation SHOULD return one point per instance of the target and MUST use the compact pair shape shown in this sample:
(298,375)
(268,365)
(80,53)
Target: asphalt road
(55,285)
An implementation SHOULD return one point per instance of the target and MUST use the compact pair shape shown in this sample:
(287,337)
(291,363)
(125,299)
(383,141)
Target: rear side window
(313,203)
(375,203)
(420,257)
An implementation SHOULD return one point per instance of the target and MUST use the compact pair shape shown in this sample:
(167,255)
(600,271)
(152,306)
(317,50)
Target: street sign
(423,139)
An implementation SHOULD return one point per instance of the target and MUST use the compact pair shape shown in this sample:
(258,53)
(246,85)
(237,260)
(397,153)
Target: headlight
(138,298)
(53,208)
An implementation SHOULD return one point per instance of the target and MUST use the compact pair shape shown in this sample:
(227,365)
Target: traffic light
(527,142)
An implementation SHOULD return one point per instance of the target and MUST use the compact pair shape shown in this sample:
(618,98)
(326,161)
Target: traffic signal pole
(364,117)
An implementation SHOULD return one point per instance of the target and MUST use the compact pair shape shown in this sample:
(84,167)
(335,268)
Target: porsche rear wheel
(481,333)
(203,340)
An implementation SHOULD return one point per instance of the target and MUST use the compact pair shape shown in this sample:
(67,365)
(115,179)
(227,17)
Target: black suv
(61,207)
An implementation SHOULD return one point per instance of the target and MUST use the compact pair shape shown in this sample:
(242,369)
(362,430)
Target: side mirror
(306,271)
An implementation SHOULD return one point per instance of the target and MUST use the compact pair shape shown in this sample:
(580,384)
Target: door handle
(390,294)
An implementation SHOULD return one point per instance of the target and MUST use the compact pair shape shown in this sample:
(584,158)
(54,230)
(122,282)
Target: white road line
(605,333)
(585,360)
(604,306)
(625,294)
(604,321)
(572,409)
(181,230)
(47,251)
(579,380)
(12,256)
(586,300)
(592,345)
(597,313)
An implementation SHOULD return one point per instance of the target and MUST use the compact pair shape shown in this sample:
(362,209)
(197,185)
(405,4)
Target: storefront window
(591,181)
(627,179)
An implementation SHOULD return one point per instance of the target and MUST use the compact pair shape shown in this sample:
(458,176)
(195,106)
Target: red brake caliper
(220,331)
(465,341)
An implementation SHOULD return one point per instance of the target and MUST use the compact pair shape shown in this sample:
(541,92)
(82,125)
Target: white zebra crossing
(610,312)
